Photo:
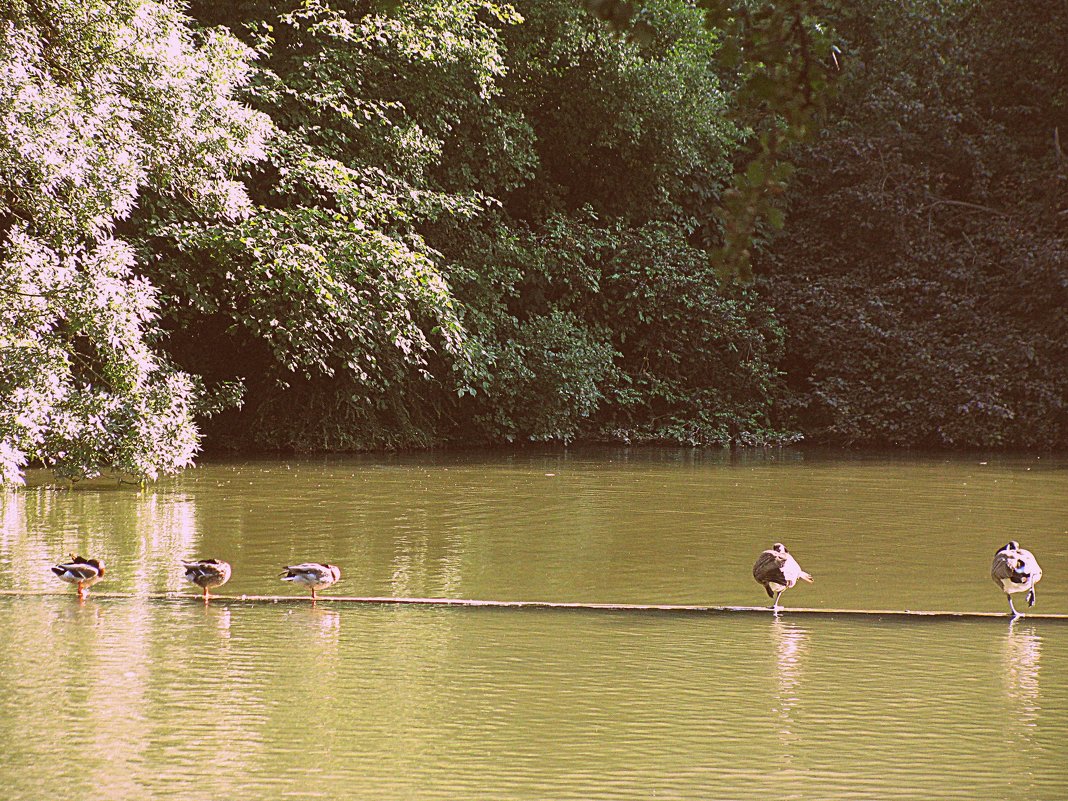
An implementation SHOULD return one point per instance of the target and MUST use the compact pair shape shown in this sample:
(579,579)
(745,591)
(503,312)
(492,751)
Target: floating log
(340,600)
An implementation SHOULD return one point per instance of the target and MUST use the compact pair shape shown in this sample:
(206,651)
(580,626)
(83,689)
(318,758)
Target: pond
(154,696)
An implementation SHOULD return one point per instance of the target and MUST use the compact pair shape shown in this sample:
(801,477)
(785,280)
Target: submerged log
(558,605)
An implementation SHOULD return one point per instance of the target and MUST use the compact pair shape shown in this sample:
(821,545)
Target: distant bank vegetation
(327,225)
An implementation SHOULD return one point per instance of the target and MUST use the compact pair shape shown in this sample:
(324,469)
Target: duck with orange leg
(313,575)
(83,572)
(207,573)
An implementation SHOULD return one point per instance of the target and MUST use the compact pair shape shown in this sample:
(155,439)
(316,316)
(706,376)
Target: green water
(148,698)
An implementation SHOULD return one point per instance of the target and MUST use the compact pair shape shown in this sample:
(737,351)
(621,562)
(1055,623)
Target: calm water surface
(163,698)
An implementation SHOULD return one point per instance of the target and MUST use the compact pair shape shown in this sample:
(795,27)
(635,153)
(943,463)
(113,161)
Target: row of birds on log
(1014,570)
(205,573)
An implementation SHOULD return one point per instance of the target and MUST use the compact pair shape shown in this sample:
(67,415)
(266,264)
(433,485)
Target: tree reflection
(139,534)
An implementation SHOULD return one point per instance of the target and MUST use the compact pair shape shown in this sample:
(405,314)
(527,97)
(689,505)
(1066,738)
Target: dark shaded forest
(357,225)
(923,274)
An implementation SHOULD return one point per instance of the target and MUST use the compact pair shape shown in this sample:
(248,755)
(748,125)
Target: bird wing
(79,569)
(205,569)
(1000,569)
(768,568)
(306,569)
(1012,566)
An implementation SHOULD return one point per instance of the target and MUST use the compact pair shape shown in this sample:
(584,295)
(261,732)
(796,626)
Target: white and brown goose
(207,573)
(313,575)
(778,571)
(1015,569)
(83,572)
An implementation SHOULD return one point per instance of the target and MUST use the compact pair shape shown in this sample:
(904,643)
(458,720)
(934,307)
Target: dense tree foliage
(98,101)
(466,229)
(601,315)
(923,277)
(327,301)
(347,224)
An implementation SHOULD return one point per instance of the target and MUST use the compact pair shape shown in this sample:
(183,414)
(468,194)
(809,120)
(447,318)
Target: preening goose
(778,571)
(1015,569)
(207,573)
(313,575)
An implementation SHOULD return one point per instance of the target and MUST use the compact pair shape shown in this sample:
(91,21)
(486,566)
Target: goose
(313,575)
(1015,569)
(83,572)
(778,571)
(207,573)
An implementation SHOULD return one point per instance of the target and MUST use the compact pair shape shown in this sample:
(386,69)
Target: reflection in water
(323,623)
(1021,652)
(132,698)
(178,701)
(140,535)
(165,526)
(791,644)
(116,674)
(12,520)
(420,561)
(83,613)
(220,617)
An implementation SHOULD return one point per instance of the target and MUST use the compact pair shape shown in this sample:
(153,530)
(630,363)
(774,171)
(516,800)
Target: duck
(207,573)
(313,575)
(1014,570)
(83,572)
(778,571)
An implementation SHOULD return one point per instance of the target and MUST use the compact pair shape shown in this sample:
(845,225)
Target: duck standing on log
(207,573)
(83,572)
(313,575)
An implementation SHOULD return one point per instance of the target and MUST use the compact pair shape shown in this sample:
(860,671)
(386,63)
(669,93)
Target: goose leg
(1015,614)
(1031,597)
(775,604)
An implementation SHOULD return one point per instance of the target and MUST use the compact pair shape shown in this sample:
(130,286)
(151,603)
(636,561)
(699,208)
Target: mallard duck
(778,571)
(1015,569)
(313,575)
(207,573)
(83,572)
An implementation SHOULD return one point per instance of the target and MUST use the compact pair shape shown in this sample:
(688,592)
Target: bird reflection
(324,623)
(791,645)
(220,616)
(1021,653)
(86,612)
